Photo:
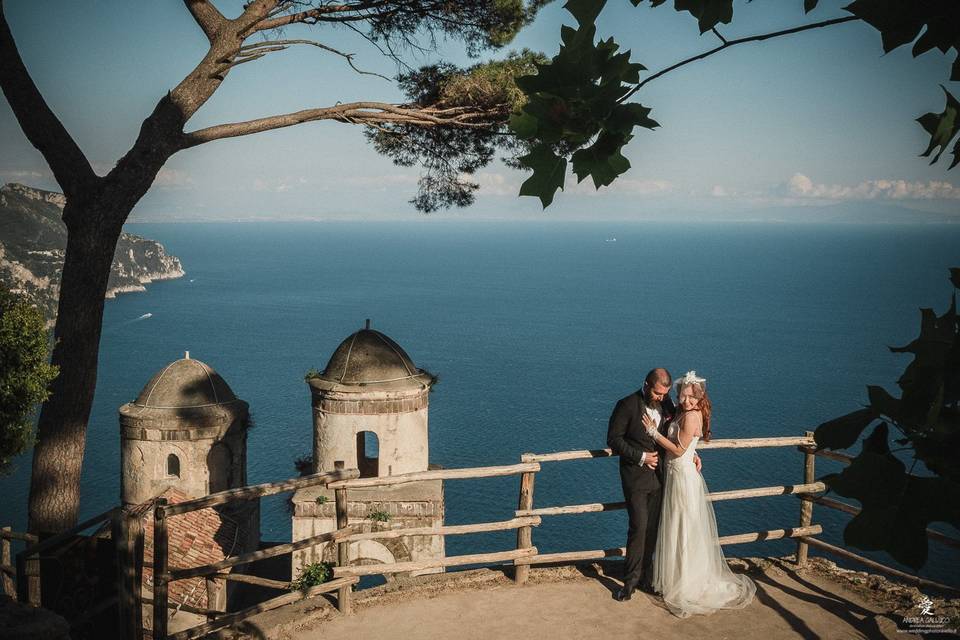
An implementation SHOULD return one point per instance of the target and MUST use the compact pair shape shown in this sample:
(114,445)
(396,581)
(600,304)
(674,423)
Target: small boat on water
(610,240)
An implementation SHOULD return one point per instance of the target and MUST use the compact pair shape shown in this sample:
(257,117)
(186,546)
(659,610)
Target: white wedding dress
(689,568)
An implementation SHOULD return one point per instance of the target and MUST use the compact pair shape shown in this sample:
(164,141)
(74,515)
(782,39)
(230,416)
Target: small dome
(185,384)
(368,358)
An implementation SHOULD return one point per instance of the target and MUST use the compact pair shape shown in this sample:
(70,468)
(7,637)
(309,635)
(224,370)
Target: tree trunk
(61,432)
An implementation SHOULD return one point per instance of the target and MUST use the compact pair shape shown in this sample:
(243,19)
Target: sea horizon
(535,330)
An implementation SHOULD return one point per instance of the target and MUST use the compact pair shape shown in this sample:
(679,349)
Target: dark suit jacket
(628,438)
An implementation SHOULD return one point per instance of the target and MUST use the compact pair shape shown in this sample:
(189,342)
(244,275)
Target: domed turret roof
(367,359)
(185,384)
(187,394)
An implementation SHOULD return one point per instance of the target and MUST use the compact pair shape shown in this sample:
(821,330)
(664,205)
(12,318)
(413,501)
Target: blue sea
(535,329)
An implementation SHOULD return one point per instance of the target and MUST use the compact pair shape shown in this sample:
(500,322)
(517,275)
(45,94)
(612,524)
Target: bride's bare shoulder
(691,420)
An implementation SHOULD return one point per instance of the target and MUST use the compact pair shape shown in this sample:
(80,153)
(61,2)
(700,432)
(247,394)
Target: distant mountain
(33,240)
(862,212)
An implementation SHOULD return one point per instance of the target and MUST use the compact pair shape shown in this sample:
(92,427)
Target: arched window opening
(173,466)
(220,468)
(368,454)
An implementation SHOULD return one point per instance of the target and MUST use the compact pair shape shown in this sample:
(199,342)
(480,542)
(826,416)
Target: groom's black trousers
(643,511)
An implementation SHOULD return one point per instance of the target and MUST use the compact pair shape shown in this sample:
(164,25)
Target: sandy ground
(577,603)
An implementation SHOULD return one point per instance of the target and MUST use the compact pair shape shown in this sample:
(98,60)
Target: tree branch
(369,113)
(46,133)
(311,16)
(278,45)
(730,43)
(208,18)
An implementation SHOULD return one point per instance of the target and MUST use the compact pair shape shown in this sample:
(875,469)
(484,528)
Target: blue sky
(818,118)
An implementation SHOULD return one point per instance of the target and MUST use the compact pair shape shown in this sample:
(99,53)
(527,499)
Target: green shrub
(311,575)
(379,516)
(25,374)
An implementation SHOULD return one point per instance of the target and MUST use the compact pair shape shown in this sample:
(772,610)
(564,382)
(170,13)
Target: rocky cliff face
(33,240)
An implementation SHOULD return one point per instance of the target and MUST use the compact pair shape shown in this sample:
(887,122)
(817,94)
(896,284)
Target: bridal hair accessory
(690,377)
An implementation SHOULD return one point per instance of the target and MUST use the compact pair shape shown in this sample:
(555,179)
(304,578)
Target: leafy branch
(571,112)
(897,505)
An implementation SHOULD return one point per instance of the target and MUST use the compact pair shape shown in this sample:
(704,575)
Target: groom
(641,474)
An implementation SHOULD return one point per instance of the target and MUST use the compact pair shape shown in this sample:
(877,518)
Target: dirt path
(567,603)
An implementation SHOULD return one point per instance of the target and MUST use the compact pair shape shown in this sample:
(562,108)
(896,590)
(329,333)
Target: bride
(689,567)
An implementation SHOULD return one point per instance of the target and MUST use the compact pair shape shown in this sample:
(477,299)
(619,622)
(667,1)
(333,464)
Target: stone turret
(185,436)
(186,430)
(370,408)
(370,411)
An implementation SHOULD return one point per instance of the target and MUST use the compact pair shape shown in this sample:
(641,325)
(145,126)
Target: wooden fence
(127,530)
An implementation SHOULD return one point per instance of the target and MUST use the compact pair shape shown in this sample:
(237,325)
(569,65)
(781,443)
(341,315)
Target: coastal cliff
(33,241)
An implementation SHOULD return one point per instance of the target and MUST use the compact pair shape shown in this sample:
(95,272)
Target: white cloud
(800,186)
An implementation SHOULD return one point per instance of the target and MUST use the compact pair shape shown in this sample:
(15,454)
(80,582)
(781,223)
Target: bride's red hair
(704,406)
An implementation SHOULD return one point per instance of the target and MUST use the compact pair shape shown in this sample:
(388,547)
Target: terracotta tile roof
(195,538)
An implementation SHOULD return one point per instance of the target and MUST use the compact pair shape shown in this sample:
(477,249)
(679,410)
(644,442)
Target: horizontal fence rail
(726,443)
(852,510)
(447,561)
(736,494)
(227,619)
(440,474)
(7,534)
(620,552)
(448,530)
(876,566)
(254,556)
(345,575)
(260,490)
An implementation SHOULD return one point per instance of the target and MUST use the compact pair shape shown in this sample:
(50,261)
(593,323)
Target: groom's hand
(651,459)
(697,462)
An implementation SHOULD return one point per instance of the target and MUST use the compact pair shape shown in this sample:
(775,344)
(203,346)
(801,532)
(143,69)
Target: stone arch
(370,552)
(368,453)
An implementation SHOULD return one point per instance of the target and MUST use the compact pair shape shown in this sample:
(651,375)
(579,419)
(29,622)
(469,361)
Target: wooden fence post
(806,506)
(28,576)
(343,548)
(524,534)
(128,535)
(160,595)
(216,596)
(7,585)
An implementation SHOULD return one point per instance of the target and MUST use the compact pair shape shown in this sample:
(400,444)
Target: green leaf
(624,117)
(548,173)
(843,432)
(523,125)
(809,5)
(897,22)
(876,442)
(872,478)
(602,160)
(708,13)
(870,529)
(883,403)
(585,11)
(942,128)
